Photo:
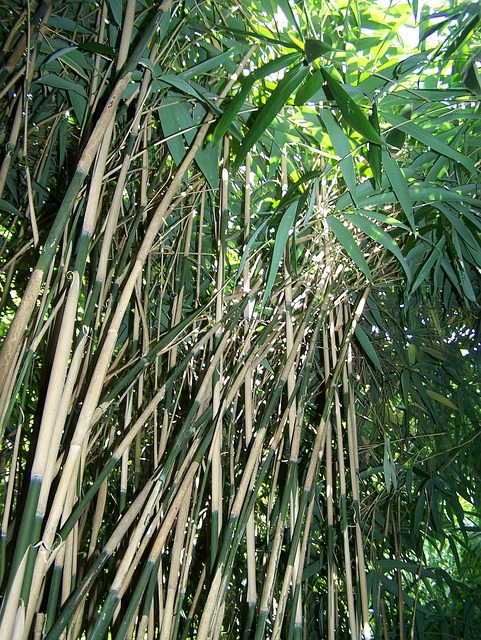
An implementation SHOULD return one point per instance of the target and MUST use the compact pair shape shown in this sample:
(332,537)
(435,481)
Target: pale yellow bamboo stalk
(93,392)
(175,570)
(10,347)
(191,539)
(94,93)
(336,337)
(282,602)
(119,583)
(116,204)
(126,31)
(55,389)
(209,613)
(124,466)
(267,594)
(331,569)
(39,626)
(49,424)
(11,481)
(52,523)
(12,604)
(62,412)
(199,244)
(291,383)
(11,144)
(354,464)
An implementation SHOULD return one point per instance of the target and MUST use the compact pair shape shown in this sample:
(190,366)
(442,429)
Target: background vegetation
(240,259)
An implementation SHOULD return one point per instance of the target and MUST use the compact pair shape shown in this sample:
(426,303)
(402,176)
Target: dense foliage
(239,376)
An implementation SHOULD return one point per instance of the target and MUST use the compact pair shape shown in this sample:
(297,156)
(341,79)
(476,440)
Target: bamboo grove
(240,257)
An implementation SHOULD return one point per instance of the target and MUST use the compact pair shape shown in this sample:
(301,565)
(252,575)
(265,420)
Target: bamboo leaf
(380,236)
(351,113)
(282,235)
(342,148)
(349,244)
(428,264)
(313,86)
(374,149)
(314,49)
(366,344)
(471,77)
(52,80)
(241,96)
(270,110)
(434,395)
(432,141)
(400,186)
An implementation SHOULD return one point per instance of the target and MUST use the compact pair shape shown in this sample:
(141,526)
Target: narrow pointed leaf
(400,186)
(242,95)
(342,148)
(432,141)
(282,236)
(434,395)
(374,150)
(351,113)
(379,235)
(270,110)
(428,264)
(314,49)
(349,244)
(366,344)
(312,86)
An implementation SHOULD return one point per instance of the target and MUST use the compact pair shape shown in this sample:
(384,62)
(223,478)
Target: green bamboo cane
(215,453)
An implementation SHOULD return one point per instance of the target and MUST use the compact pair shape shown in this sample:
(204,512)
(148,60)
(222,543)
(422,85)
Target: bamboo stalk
(8,352)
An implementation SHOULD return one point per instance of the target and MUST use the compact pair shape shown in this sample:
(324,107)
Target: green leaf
(374,150)
(282,235)
(6,207)
(351,113)
(432,141)
(350,246)
(312,86)
(390,475)
(73,58)
(66,24)
(250,244)
(396,139)
(96,47)
(379,235)
(116,9)
(342,148)
(366,345)
(52,80)
(212,62)
(428,264)
(244,92)
(471,77)
(270,110)
(79,104)
(434,395)
(399,185)
(314,49)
